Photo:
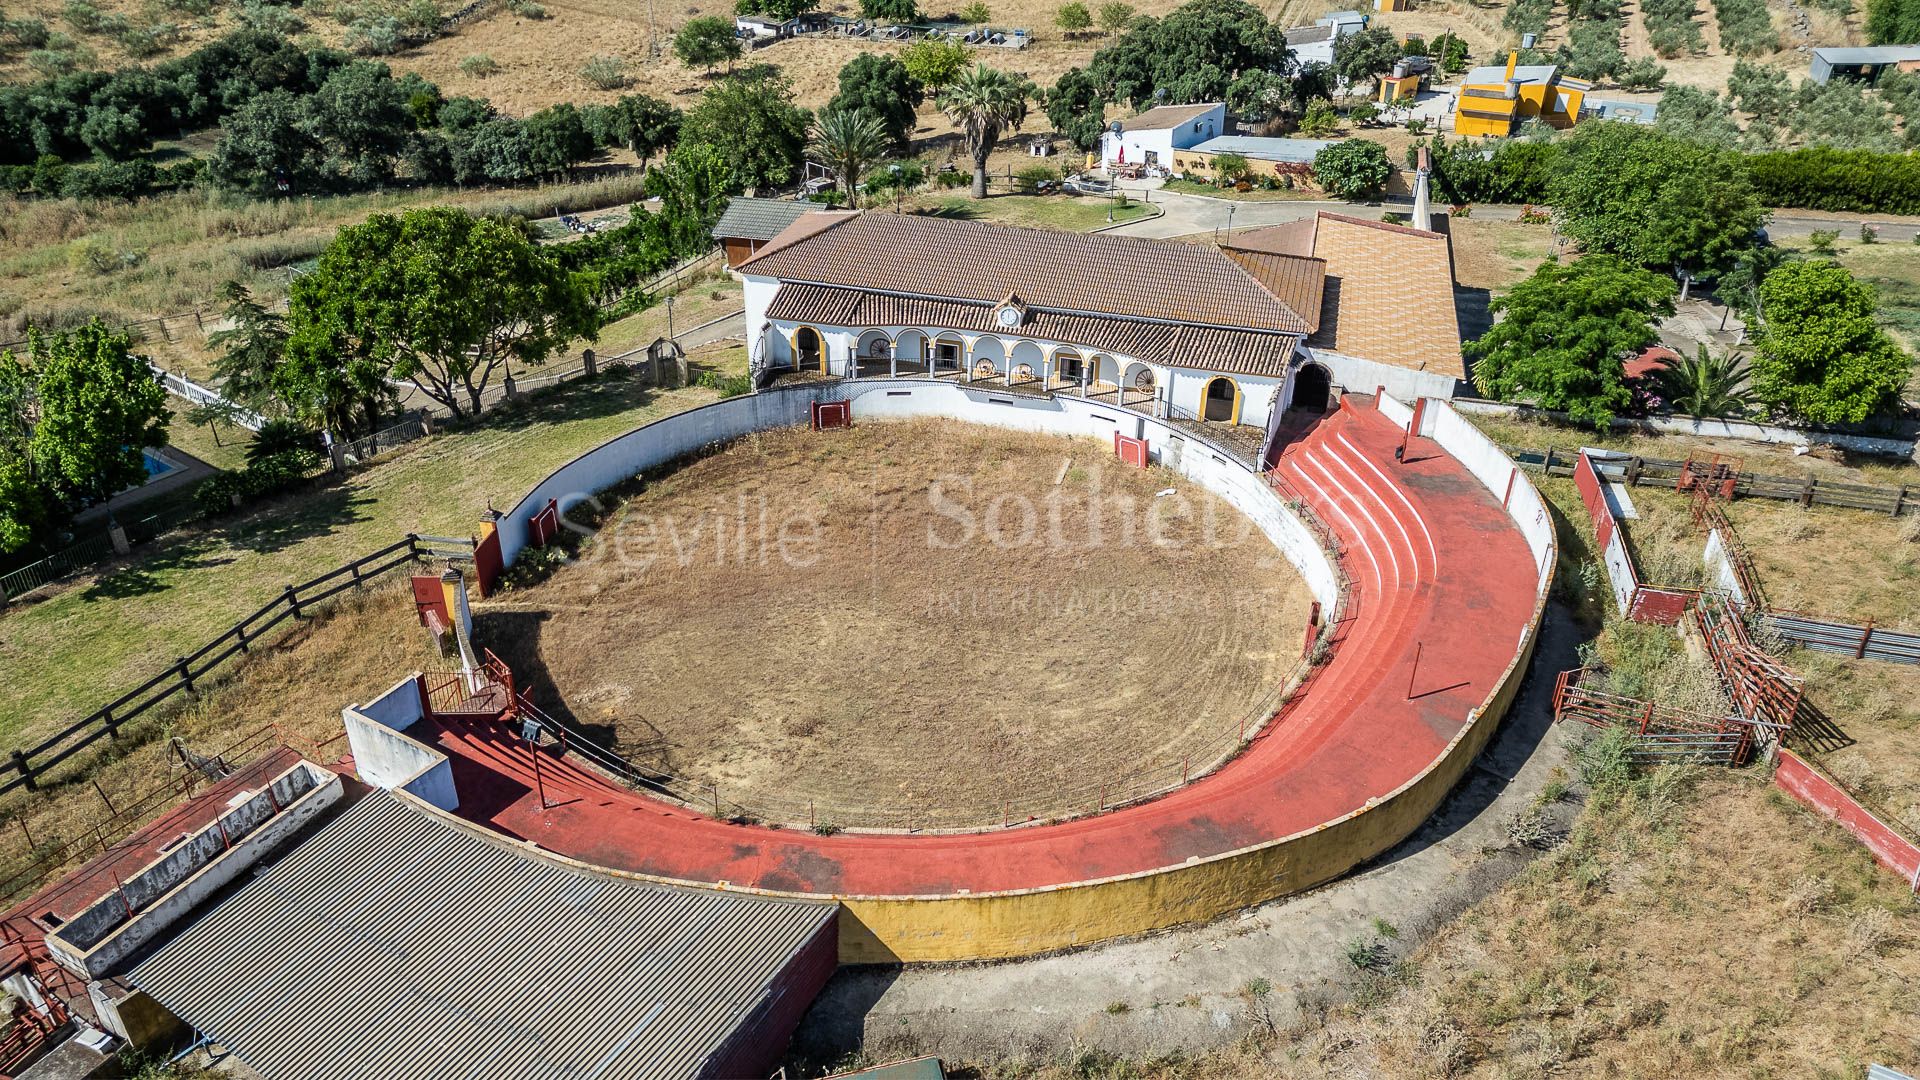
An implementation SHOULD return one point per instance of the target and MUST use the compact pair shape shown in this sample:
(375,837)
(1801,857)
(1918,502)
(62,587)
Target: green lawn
(71,653)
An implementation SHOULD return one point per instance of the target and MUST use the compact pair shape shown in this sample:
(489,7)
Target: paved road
(1188,214)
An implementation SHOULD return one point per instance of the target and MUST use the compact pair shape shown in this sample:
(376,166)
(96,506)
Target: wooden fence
(24,767)
(1807,490)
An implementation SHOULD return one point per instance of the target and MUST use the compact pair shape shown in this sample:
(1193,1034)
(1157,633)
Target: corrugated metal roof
(1243,352)
(1076,272)
(1255,146)
(401,944)
(758,219)
(1869,54)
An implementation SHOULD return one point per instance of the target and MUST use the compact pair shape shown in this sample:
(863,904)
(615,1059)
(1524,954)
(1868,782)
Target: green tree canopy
(1352,168)
(28,512)
(1565,333)
(936,62)
(1702,116)
(441,298)
(779,9)
(93,405)
(1820,355)
(882,87)
(1654,200)
(642,124)
(1193,54)
(984,103)
(692,186)
(750,118)
(706,42)
(1073,17)
(1077,109)
(1362,57)
(1115,16)
(252,347)
(266,142)
(557,140)
(890,11)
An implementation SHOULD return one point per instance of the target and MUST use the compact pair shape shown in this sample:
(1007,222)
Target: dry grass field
(927,642)
(1697,925)
(349,652)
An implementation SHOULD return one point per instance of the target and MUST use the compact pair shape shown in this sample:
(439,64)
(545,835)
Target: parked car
(1081,184)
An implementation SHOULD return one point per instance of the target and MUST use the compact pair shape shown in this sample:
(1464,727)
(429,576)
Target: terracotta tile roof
(1161,117)
(1297,280)
(1244,352)
(1389,289)
(804,227)
(1058,271)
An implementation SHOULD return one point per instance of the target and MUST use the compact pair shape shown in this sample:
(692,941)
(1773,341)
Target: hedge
(1842,180)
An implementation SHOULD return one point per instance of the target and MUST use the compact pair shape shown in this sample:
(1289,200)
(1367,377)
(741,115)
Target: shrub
(281,436)
(82,16)
(1028,180)
(975,12)
(27,33)
(526,9)
(374,37)
(727,385)
(1352,169)
(1746,29)
(951,178)
(1642,74)
(479,65)
(1824,178)
(605,73)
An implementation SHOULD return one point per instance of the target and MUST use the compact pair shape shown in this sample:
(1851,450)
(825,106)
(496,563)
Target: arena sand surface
(920,622)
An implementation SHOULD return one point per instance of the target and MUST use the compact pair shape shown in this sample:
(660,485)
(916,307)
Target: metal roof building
(401,943)
(1861,63)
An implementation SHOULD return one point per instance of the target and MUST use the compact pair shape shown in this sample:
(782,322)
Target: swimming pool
(157,466)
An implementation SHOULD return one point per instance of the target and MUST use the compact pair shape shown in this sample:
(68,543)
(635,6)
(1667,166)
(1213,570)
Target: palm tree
(984,103)
(1705,385)
(848,140)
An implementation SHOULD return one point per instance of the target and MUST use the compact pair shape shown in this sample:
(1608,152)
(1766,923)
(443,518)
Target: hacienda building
(1231,333)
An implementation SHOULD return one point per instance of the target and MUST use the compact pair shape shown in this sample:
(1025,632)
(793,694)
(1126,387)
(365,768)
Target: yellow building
(1395,87)
(1496,101)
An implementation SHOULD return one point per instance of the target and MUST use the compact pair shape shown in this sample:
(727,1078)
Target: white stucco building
(1212,334)
(1151,138)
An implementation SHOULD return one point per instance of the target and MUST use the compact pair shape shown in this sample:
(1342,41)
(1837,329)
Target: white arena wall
(683,434)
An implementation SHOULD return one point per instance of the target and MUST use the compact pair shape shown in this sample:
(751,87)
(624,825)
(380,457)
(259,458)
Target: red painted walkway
(1435,565)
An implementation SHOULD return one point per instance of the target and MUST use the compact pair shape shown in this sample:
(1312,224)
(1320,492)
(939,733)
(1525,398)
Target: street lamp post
(896,186)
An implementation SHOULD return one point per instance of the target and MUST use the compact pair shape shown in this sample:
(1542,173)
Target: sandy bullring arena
(917,624)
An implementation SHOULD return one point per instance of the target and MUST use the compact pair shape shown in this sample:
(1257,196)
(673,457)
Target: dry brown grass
(348,653)
(1848,565)
(1876,707)
(1496,255)
(1724,932)
(896,665)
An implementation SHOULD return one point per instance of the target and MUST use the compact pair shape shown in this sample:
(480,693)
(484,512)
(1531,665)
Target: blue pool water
(157,466)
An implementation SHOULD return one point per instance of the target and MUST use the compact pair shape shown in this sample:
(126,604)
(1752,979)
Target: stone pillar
(118,535)
(507,384)
(426,421)
(336,452)
(589,363)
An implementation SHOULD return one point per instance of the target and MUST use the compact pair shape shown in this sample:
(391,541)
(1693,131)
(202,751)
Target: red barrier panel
(430,598)
(1811,787)
(1132,451)
(831,414)
(543,525)
(1656,605)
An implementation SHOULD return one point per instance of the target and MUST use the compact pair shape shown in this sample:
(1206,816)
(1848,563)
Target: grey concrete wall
(97,940)
(1362,376)
(385,757)
(677,436)
(1720,429)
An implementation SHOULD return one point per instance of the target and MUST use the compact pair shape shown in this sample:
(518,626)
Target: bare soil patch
(961,619)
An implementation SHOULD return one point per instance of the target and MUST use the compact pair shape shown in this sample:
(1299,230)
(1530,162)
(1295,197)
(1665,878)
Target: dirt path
(1187,990)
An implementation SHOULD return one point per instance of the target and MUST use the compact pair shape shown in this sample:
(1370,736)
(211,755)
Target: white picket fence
(186,389)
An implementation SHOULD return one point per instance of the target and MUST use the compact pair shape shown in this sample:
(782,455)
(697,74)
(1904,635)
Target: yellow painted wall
(1530,103)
